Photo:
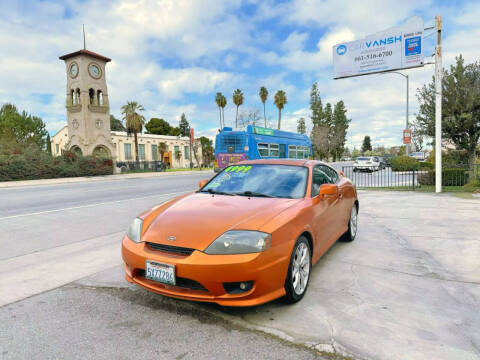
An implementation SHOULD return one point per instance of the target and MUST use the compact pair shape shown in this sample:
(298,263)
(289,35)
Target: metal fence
(384,177)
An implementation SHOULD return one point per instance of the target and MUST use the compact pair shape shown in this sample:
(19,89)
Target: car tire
(351,233)
(299,269)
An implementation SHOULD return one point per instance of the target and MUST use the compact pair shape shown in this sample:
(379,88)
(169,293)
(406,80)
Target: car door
(325,211)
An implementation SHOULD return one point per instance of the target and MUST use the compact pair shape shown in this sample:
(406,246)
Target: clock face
(73,70)
(94,70)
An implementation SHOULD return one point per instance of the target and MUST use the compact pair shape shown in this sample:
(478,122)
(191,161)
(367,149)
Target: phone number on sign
(373,56)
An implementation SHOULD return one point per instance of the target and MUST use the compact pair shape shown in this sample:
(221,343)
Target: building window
(187,152)
(91,94)
(263,149)
(141,151)
(128,151)
(99,97)
(154,152)
(57,149)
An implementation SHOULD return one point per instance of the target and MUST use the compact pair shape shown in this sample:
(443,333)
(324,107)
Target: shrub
(450,177)
(35,164)
(404,163)
(427,166)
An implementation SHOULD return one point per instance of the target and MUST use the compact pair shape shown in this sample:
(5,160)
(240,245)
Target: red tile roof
(85,52)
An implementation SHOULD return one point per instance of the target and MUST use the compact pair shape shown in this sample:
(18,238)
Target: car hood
(197,219)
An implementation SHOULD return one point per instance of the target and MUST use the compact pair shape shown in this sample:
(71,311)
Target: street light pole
(406,114)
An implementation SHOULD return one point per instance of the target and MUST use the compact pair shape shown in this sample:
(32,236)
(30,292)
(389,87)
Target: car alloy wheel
(298,271)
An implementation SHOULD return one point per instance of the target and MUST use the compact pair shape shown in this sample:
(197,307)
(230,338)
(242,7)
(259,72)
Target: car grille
(180,282)
(170,249)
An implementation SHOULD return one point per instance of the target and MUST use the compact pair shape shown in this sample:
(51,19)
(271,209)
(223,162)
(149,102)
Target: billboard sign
(397,48)
(191,136)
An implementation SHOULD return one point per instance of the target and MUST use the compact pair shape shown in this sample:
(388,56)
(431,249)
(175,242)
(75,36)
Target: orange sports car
(248,235)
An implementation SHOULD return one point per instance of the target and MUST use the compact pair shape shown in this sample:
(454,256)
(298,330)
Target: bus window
(263,149)
(292,152)
(273,150)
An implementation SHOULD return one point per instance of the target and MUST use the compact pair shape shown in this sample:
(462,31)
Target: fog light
(238,287)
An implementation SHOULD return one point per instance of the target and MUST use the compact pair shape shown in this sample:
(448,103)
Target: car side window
(320,176)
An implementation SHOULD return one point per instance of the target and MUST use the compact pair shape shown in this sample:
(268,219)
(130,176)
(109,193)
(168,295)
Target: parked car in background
(368,164)
(387,160)
(419,155)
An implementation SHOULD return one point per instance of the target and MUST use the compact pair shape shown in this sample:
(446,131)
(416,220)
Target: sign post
(190,147)
(438,106)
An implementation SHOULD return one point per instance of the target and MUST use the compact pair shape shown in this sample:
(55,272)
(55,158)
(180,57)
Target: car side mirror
(328,190)
(202,183)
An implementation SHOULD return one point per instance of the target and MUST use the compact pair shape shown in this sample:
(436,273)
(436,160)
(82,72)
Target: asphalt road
(54,235)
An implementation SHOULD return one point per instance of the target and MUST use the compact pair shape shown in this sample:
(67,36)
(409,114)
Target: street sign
(191,136)
(407,136)
(397,48)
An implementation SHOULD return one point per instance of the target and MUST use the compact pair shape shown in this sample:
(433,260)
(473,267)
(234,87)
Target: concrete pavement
(407,288)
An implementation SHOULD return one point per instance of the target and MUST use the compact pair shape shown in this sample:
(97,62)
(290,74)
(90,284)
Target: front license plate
(163,273)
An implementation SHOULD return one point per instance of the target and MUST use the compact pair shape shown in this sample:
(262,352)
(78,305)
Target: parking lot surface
(407,288)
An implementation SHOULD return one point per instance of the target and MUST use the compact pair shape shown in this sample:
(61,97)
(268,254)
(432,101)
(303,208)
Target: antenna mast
(84,45)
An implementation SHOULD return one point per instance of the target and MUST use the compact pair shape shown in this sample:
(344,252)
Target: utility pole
(438,105)
(407,146)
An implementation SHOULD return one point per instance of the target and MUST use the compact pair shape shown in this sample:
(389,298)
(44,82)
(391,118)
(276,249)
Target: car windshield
(363,158)
(260,180)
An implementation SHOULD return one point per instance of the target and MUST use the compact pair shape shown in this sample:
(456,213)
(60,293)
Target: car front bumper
(200,276)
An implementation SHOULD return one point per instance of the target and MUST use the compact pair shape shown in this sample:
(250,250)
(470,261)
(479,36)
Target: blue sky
(172,56)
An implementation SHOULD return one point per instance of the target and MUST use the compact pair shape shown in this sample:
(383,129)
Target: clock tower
(88,110)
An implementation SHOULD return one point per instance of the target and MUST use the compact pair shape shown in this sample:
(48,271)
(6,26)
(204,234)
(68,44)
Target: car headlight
(240,242)
(134,230)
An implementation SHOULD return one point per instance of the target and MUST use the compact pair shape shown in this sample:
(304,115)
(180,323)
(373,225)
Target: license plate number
(163,273)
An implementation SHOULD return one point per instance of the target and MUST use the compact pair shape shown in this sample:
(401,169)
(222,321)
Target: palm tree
(263,96)
(223,104)
(218,100)
(162,149)
(280,101)
(133,121)
(237,100)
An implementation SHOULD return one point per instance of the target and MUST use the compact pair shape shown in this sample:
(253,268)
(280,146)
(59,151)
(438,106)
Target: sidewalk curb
(55,181)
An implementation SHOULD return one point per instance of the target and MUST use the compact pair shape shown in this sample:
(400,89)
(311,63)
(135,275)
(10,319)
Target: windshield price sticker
(238,168)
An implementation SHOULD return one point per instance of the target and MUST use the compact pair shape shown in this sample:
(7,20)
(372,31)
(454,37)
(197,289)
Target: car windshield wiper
(254,194)
(212,191)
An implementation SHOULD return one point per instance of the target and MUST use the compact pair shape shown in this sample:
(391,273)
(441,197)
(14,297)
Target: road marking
(31,274)
(89,205)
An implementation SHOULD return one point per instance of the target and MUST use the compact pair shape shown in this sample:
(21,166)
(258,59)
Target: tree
(49,145)
(263,96)
(219,102)
(133,121)
(158,126)
(207,149)
(249,117)
(301,129)
(316,106)
(340,124)
(320,141)
(196,145)
(184,126)
(178,155)
(223,104)
(280,100)
(237,100)
(116,125)
(162,149)
(367,145)
(21,129)
(460,107)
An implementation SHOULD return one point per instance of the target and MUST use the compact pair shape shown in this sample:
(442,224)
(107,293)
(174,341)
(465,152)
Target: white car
(368,163)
